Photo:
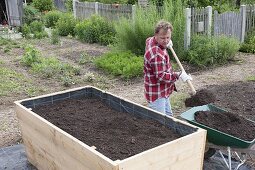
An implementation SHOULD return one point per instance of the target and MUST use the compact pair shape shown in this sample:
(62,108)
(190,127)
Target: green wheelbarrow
(217,140)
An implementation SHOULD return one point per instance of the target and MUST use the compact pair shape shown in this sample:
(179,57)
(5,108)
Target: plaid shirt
(159,77)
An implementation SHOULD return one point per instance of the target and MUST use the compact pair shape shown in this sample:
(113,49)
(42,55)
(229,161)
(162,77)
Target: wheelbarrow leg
(241,160)
(229,163)
(229,158)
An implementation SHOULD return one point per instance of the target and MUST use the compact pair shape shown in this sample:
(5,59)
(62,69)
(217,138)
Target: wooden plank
(42,136)
(184,153)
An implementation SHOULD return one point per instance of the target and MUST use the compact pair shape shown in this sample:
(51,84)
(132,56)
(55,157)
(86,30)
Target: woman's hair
(163,25)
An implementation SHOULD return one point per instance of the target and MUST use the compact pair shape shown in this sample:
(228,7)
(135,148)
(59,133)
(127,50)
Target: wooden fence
(250,17)
(83,10)
(60,5)
(232,24)
(229,24)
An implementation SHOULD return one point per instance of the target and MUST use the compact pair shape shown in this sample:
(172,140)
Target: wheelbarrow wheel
(209,153)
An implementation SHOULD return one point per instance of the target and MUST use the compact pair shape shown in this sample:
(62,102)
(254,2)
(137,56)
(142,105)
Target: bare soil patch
(117,135)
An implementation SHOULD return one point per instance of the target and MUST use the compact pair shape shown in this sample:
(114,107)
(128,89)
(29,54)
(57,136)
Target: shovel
(193,91)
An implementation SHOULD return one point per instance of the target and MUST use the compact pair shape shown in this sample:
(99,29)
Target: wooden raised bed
(49,147)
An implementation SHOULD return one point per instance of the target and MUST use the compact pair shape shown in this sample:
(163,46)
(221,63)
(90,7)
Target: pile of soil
(202,97)
(115,134)
(227,122)
(236,97)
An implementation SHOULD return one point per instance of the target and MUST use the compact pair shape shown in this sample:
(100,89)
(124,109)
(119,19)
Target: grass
(7,45)
(250,78)
(13,83)
(85,58)
(177,100)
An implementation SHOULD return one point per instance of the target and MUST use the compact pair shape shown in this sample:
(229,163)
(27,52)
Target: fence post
(209,20)
(74,8)
(187,28)
(96,8)
(243,17)
(133,12)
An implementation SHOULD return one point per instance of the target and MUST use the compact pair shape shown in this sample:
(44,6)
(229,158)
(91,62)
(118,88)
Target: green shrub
(66,24)
(30,56)
(40,35)
(69,5)
(26,31)
(37,29)
(55,39)
(30,14)
(206,51)
(124,64)
(249,43)
(43,5)
(36,26)
(132,33)
(95,30)
(51,18)
(247,48)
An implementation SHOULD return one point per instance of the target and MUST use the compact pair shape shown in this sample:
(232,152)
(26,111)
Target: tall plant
(132,33)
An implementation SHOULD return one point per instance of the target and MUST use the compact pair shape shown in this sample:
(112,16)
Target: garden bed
(51,147)
(117,135)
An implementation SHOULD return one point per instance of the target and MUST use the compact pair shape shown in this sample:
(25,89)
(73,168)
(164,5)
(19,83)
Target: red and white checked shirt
(159,77)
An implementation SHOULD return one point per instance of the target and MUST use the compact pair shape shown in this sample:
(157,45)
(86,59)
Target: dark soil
(236,97)
(227,122)
(202,97)
(116,135)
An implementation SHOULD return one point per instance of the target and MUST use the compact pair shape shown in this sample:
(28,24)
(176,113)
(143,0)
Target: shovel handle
(193,90)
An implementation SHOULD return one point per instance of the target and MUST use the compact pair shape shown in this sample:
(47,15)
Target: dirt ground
(115,134)
(218,79)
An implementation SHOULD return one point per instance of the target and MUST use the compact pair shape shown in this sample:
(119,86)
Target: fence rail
(83,10)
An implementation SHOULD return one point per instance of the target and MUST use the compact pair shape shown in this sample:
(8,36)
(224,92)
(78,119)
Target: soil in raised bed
(227,122)
(115,134)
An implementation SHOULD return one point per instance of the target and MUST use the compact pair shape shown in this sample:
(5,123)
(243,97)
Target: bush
(26,31)
(30,14)
(206,51)
(30,56)
(124,64)
(69,5)
(51,18)
(131,34)
(36,26)
(55,39)
(249,42)
(40,35)
(43,5)
(66,24)
(95,30)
